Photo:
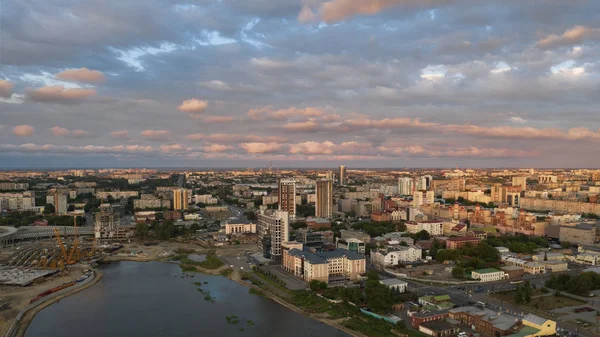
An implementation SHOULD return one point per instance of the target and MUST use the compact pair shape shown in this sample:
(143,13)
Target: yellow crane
(61,246)
(75,242)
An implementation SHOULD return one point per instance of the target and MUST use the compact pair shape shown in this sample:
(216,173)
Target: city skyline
(305,84)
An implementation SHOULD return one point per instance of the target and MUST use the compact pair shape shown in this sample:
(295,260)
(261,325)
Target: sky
(299,83)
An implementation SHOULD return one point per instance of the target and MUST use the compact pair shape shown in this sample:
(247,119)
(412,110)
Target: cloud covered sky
(306,83)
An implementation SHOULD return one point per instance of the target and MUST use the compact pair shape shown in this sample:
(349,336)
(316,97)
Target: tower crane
(60,245)
(75,242)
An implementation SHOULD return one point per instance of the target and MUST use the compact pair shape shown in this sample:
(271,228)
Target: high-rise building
(405,186)
(273,229)
(520,181)
(324,202)
(59,201)
(498,193)
(287,196)
(418,199)
(343,175)
(180,199)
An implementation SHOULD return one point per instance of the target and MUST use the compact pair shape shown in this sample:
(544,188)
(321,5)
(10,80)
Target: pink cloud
(81,75)
(123,134)
(234,138)
(215,148)
(86,149)
(571,36)
(312,148)
(172,148)
(218,119)
(59,94)
(193,106)
(156,135)
(310,125)
(257,148)
(59,131)
(23,130)
(6,89)
(62,132)
(337,10)
(281,114)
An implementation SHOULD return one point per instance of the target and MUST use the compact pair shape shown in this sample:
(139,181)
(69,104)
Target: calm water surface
(153,300)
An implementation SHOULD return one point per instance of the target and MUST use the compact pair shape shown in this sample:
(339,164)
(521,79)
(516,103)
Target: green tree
(142,230)
(458,272)
(49,209)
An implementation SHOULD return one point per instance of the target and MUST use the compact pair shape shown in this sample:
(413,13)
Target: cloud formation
(156,135)
(5,89)
(23,130)
(261,148)
(59,94)
(282,114)
(81,75)
(123,134)
(63,132)
(570,37)
(193,106)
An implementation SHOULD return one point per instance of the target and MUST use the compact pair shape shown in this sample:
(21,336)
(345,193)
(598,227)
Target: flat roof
(486,271)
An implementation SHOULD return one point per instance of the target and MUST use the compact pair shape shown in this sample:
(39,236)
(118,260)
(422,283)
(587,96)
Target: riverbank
(335,323)
(27,314)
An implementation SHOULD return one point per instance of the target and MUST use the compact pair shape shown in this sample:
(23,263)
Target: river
(155,299)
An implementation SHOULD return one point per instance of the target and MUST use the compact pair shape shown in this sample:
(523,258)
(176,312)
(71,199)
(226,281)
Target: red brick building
(459,242)
(428,316)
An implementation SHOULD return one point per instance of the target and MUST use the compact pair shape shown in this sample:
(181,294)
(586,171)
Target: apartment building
(324,199)
(147,201)
(287,197)
(117,194)
(459,242)
(433,227)
(17,201)
(392,256)
(180,199)
(273,229)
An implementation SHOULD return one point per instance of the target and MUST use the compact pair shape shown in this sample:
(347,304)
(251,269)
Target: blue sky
(307,83)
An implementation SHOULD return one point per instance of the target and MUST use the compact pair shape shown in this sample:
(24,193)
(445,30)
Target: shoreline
(333,323)
(28,315)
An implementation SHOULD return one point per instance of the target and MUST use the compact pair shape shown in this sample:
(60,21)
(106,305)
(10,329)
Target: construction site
(36,262)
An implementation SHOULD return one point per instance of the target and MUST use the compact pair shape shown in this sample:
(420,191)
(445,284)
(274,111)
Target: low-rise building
(488,275)
(395,284)
(528,267)
(418,318)
(513,272)
(439,328)
(441,302)
(392,256)
(502,250)
(555,266)
(354,245)
(544,326)
(233,228)
(461,241)
(487,322)
(433,227)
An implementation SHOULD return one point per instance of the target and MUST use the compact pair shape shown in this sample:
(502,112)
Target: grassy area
(371,327)
(211,262)
(540,303)
(226,272)
(311,303)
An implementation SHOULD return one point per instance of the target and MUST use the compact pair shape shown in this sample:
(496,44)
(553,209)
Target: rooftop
(537,320)
(322,257)
(392,282)
(486,271)
(525,331)
(463,238)
(438,325)
(498,320)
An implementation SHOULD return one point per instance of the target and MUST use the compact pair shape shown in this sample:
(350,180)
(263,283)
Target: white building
(392,256)
(393,283)
(273,228)
(488,275)
(233,228)
(405,186)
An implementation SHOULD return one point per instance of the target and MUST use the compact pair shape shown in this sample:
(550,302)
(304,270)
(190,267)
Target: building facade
(273,229)
(287,197)
(180,199)
(343,176)
(232,228)
(324,199)
(337,265)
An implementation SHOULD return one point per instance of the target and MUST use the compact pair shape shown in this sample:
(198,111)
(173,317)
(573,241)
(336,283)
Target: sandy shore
(30,314)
